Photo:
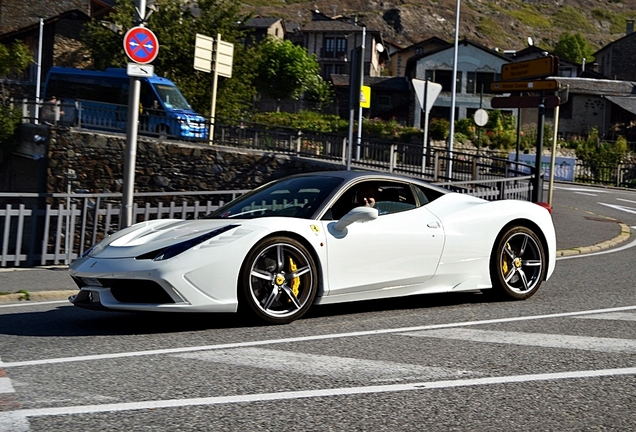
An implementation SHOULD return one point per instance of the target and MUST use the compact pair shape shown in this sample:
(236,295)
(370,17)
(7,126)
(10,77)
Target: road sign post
(214,56)
(141,46)
(427,93)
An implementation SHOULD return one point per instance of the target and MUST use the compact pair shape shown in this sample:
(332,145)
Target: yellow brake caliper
(295,283)
(504,263)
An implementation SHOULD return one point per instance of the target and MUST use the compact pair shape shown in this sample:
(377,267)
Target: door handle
(433,224)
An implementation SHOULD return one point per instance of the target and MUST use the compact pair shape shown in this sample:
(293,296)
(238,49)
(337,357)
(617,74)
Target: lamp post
(38,77)
(453,90)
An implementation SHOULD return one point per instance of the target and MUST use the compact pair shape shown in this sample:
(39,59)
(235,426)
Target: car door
(401,248)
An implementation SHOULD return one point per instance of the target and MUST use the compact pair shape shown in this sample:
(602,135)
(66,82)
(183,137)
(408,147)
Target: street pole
(453,90)
(130,157)
(361,72)
(537,191)
(354,99)
(38,78)
(215,84)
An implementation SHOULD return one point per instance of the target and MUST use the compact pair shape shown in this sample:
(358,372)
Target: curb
(625,234)
(36,296)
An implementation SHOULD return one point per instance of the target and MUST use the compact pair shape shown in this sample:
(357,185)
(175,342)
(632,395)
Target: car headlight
(175,249)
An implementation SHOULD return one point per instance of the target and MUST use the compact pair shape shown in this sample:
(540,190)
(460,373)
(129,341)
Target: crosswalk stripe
(324,365)
(616,316)
(606,345)
(5,383)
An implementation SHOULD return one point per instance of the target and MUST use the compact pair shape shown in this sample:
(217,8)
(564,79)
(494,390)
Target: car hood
(146,237)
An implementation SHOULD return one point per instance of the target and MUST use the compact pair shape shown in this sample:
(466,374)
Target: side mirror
(358,214)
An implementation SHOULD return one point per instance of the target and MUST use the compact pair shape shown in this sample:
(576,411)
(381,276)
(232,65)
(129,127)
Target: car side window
(394,198)
(387,197)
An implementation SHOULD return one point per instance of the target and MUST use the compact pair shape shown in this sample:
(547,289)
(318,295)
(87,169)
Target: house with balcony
(398,59)
(331,40)
(477,67)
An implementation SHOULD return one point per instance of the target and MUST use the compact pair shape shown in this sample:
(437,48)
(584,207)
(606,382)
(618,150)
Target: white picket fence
(36,234)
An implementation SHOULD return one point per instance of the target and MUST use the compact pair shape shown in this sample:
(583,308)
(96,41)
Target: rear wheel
(518,264)
(279,280)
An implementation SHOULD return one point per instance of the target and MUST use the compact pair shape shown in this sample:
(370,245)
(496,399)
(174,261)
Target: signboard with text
(523,86)
(535,68)
(563,166)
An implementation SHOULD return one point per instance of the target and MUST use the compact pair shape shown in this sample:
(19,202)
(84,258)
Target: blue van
(99,100)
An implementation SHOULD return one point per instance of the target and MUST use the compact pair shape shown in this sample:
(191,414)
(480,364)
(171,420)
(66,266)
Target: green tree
(285,70)
(14,59)
(574,47)
(176,24)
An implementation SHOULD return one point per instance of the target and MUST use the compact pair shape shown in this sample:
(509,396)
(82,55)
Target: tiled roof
(599,87)
(262,22)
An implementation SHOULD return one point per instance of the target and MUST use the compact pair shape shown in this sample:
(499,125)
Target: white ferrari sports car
(321,238)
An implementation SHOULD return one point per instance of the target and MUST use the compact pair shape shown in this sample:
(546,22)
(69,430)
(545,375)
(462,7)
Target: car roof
(351,176)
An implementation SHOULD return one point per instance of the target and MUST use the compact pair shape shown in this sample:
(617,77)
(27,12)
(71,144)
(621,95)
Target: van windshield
(172,97)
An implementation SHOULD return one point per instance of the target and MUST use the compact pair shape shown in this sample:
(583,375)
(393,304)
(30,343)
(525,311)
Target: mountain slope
(493,23)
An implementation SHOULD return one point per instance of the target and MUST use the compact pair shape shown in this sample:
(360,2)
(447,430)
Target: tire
(518,264)
(279,281)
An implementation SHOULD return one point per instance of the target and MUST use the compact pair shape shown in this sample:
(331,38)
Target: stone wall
(163,166)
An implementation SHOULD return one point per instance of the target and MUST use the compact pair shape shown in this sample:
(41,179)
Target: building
(62,21)
(616,60)
(477,67)
(390,97)
(398,59)
(260,28)
(606,105)
(331,40)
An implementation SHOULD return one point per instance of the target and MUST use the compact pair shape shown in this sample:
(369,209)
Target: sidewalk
(577,231)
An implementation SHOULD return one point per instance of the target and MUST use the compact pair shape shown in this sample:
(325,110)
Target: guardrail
(47,229)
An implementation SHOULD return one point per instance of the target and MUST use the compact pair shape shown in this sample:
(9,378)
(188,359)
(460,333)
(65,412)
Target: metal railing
(47,229)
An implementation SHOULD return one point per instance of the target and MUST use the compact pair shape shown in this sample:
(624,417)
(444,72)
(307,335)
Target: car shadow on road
(74,321)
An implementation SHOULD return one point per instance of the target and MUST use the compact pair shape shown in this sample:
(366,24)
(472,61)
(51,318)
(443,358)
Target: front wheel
(279,280)
(518,264)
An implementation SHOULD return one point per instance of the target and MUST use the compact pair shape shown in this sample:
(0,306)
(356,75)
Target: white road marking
(13,421)
(576,189)
(304,338)
(620,208)
(323,365)
(6,386)
(304,394)
(625,200)
(586,193)
(545,340)
(616,316)
(29,303)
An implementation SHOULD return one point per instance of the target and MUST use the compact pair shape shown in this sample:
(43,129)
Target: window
(384,101)
(477,80)
(328,47)
(445,78)
(341,47)
(387,197)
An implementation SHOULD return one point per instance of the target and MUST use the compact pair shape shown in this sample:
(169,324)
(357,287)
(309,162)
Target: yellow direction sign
(523,86)
(365,97)
(535,68)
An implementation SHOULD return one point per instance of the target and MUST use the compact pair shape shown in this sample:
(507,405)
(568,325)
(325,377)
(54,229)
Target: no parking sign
(141,45)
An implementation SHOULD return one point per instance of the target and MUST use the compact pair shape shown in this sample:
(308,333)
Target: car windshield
(295,197)
(172,97)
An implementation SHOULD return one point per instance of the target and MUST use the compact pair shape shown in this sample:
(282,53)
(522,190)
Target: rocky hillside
(493,23)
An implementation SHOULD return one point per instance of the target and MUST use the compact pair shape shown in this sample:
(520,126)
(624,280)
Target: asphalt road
(563,360)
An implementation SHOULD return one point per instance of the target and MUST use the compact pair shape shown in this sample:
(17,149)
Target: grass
(569,18)
(25,295)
